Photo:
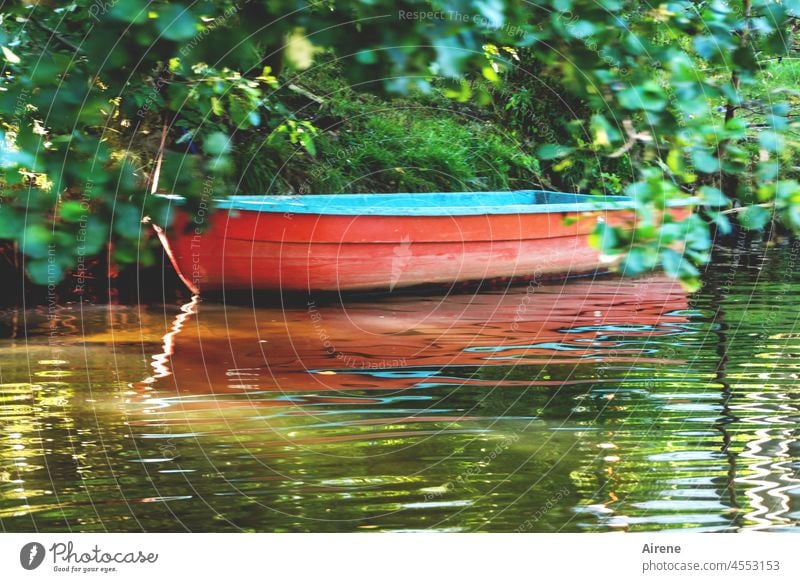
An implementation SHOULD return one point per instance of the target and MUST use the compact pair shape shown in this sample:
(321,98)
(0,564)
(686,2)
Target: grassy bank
(358,142)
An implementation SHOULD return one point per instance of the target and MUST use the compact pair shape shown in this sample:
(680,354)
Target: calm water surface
(595,405)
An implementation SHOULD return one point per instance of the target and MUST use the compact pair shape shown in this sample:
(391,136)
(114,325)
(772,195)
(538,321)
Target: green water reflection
(589,406)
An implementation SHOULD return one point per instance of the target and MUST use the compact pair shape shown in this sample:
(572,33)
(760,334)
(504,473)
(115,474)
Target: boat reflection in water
(410,411)
(411,342)
(451,412)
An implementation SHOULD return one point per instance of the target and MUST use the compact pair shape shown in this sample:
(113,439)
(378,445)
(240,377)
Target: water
(587,406)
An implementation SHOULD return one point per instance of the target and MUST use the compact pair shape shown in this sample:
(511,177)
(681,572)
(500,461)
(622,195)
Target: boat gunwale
(433,204)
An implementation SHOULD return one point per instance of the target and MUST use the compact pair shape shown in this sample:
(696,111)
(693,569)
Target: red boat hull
(255,250)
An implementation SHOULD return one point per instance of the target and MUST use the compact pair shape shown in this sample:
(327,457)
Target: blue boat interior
(429,204)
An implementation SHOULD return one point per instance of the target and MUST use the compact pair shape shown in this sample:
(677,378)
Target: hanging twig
(633,137)
(743,208)
(152,186)
(159,158)
(305,93)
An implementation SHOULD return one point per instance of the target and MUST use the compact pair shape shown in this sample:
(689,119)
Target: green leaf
(647,96)
(177,95)
(134,11)
(639,260)
(44,271)
(176,22)
(308,143)
(552,151)
(604,134)
(736,128)
(604,238)
(490,74)
(221,165)
(634,263)
(186,137)
(745,58)
(675,161)
(787,191)
(73,211)
(9,223)
(147,257)
(672,231)
(712,47)
(793,215)
(781,109)
(671,261)
(722,222)
(562,5)
(581,29)
(771,141)
(127,221)
(767,170)
(684,69)
(36,240)
(162,213)
(697,234)
(713,197)
(93,237)
(217,107)
(126,252)
(217,144)
(239,113)
(754,217)
(704,162)
(366,57)
(646,231)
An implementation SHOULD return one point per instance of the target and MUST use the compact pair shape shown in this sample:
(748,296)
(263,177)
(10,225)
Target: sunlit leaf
(217,144)
(754,217)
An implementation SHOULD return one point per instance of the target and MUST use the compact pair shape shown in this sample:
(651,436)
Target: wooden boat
(358,242)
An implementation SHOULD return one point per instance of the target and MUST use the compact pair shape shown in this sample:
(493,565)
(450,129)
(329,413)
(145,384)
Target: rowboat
(360,242)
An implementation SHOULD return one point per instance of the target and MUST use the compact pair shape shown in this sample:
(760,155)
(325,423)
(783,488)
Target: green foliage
(664,101)
(402,147)
(678,91)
